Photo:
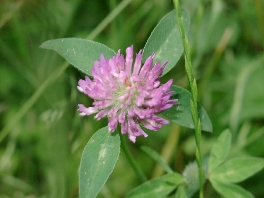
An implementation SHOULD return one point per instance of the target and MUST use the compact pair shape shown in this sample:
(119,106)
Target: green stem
(56,74)
(194,109)
(131,160)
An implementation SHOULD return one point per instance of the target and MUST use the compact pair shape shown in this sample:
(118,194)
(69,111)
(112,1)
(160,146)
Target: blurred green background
(42,136)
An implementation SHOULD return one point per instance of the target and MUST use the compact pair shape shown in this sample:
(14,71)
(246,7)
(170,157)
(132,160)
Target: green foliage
(191,176)
(222,176)
(230,190)
(44,137)
(165,41)
(220,150)
(98,161)
(160,187)
(180,113)
(181,192)
(237,169)
(80,53)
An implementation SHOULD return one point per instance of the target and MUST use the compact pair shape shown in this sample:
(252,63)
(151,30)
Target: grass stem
(193,86)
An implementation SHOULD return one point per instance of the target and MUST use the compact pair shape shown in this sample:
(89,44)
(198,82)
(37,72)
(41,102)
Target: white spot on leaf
(102,152)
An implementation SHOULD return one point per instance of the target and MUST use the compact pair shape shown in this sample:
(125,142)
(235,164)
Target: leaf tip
(44,45)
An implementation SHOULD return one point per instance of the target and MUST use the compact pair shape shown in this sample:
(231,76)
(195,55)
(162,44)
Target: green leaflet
(98,160)
(81,53)
(165,40)
(180,112)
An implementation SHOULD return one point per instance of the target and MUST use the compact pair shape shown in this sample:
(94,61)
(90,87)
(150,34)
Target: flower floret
(127,93)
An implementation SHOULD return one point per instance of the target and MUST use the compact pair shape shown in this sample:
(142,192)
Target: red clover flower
(131,96)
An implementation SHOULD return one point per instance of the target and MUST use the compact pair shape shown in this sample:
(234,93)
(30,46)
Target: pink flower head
(127,93)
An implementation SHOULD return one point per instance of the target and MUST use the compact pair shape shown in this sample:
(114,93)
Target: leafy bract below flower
(126,94)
